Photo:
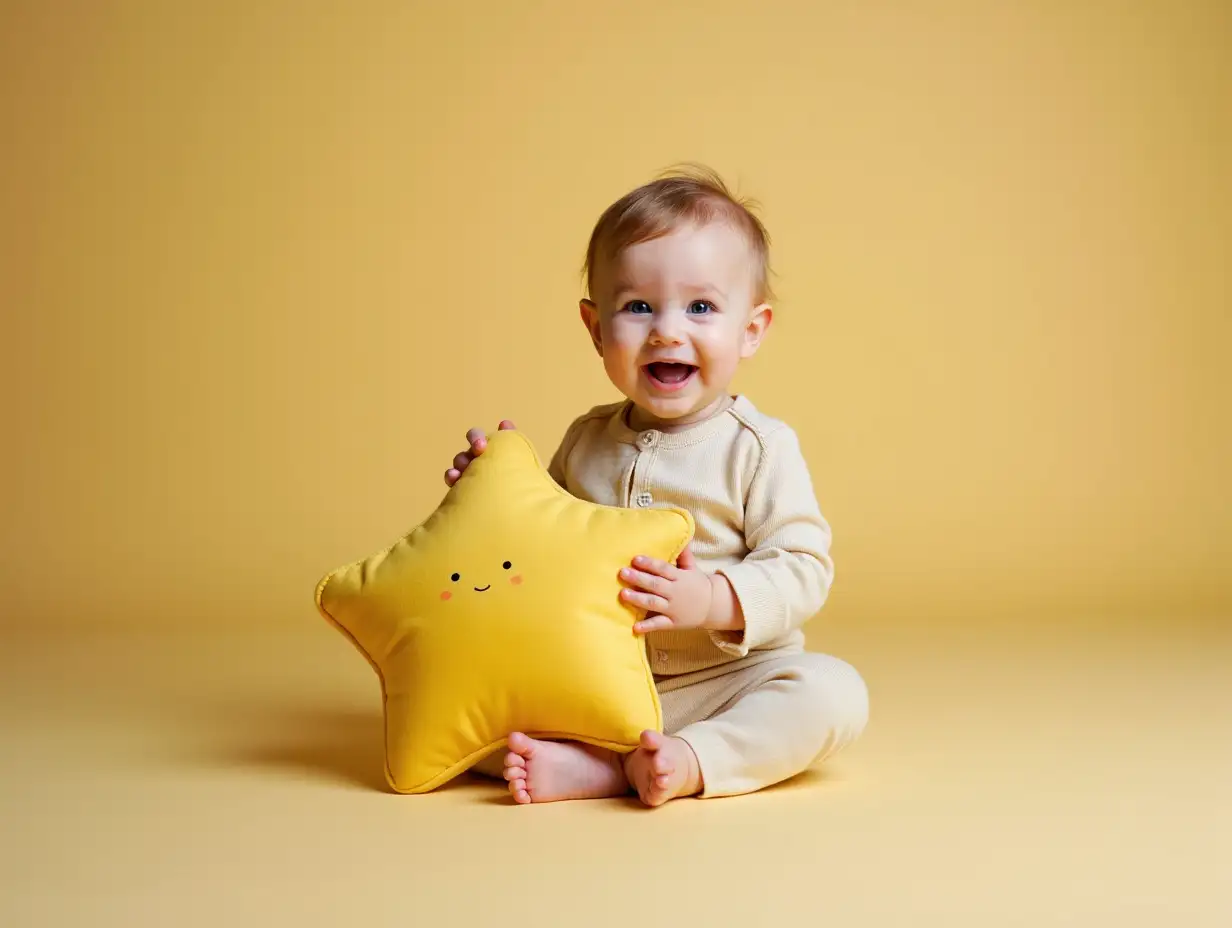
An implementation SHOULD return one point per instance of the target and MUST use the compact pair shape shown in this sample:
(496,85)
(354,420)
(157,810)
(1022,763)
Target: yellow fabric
(544,646)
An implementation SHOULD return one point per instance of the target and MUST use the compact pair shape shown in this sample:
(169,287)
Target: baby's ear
(755,329)
(590,318)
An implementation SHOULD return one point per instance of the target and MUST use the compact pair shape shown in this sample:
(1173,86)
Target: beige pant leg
(761,724)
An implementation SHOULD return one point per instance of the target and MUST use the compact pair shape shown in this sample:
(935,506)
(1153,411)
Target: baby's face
(673,317)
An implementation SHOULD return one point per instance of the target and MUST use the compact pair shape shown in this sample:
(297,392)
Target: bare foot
(548,771)
(663,768)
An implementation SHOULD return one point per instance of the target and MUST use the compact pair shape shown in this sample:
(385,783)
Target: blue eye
(700,307)
(638,306)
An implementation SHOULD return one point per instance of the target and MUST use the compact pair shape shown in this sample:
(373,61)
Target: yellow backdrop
(263,265)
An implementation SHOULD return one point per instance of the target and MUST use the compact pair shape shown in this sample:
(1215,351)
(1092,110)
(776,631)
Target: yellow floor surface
(1014,773)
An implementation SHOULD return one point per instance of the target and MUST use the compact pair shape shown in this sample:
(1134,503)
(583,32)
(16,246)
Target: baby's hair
(684,195)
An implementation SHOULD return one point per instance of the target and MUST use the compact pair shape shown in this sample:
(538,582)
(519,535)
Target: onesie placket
(647,444)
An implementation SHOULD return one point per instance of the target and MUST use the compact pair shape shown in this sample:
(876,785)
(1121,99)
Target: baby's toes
(656,794)
(660,776)
(516,778)
(660,764)
(644,789)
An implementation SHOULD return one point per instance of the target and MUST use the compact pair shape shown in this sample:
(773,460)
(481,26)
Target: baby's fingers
(656,566)
(652,623)
(644,581)
(648,601)
(460,463)
(477,440)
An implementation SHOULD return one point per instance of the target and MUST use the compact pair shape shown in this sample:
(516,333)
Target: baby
(678,295)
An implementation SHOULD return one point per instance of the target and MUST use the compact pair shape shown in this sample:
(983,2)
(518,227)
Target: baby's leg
(763,724)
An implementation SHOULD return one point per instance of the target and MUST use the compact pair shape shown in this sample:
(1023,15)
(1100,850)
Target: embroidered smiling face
(481,584)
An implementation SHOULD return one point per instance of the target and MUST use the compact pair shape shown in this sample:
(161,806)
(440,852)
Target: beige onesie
(754,706)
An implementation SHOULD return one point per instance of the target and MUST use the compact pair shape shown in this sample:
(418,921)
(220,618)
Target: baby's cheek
(445,594)
(515,579)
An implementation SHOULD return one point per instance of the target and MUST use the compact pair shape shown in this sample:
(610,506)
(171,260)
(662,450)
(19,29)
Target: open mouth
(669,375)
(480,589)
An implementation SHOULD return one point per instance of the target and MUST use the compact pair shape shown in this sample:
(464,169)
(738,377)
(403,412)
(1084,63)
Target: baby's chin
(676,410)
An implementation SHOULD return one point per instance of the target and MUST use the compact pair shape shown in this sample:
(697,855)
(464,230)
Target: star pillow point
(501,612)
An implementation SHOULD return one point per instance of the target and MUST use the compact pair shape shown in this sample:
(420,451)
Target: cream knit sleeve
(786,576)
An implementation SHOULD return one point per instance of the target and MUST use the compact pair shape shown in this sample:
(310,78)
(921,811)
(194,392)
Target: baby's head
(677,279)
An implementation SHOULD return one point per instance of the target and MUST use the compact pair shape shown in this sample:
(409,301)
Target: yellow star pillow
(501,613)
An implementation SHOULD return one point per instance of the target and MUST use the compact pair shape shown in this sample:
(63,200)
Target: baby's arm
(786,576)
(782,580)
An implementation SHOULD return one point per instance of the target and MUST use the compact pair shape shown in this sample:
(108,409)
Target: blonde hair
(685,195)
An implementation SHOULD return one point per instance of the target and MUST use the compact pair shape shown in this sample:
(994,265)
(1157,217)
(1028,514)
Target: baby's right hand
(478,442)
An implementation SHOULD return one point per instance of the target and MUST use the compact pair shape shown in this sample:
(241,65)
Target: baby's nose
(666,333)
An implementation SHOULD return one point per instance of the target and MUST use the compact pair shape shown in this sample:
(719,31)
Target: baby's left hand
(677,596)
